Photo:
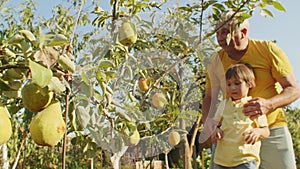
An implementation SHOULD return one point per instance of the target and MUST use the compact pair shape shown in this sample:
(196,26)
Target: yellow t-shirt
(269,62)
(232,150)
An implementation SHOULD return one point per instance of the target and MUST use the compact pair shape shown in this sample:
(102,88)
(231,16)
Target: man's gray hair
(228,19)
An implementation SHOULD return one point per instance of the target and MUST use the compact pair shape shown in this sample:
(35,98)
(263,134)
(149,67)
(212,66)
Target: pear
(48,127)
(143,84)
(36,98)
(134,139)
(127,34)
(158,100)
(174,138)
(5,125)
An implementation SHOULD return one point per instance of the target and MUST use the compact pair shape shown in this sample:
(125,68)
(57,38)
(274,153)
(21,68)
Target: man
(271,67)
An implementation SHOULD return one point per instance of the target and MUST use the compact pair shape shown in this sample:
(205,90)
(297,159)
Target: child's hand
(217,135)
(251,136)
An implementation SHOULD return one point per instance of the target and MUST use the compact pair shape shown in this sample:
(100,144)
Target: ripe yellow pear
(35,98)
(158,100)
(127,34)
(174,138)
(143,84)
(48,127)
(133,139)
(5,125)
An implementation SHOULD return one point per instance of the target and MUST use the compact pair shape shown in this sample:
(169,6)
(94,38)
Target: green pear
(5,125)
(174,138)
(158,100)
(35,98)
(48,127)
(127,34)
(133,139)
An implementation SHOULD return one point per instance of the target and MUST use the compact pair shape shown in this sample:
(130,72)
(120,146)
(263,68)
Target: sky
(283,27)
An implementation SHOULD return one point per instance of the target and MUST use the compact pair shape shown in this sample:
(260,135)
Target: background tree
(294,126)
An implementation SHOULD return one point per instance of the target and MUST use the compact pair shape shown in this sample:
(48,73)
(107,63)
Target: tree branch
(64,151)
(13,66)
(155,84)
(232,16)
(76,23)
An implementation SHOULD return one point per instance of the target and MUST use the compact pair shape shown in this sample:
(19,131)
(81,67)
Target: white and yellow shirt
(232,150)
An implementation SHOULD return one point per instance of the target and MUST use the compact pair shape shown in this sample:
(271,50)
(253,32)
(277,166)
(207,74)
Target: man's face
(227,40)
(222,36)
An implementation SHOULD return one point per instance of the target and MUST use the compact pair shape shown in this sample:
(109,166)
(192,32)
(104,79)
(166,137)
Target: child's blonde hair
(243,72)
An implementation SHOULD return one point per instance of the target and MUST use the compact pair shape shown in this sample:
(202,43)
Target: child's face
(237,88)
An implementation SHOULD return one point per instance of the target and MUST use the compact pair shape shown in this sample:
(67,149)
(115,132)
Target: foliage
(77,55)
(294,127)
(204,158)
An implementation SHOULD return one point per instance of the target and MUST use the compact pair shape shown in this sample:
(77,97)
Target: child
(238,137)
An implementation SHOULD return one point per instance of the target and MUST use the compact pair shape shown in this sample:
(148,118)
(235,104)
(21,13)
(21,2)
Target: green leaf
(83,116)
(17,38)
(219,6)
(56,85)
(98,96)
(11,94)
(55,39)
(9,85)
(104,64)
(4,85)
(86,89)
(41,76)
(100,76)
(185,9)
(82,98)
(262,5)
(9,53)
(28,35)
(42,38)
(85,78)
(265,12)
(110,74)
(66,63)
(245,16)
(278,6)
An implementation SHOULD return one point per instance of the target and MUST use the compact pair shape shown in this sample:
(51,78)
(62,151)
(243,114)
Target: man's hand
(217,135)
(208,129)
(256,107)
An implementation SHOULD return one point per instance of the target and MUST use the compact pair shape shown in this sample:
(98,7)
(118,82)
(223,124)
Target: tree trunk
(166,159)
(115,162)
(187,156)
(115,159)
(92,163)
(5,162)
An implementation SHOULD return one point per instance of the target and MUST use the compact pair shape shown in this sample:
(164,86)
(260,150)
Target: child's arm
(262,130)
(253,135)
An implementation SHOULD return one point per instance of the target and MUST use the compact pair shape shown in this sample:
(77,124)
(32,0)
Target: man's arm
(209,103)
(208,109)
(290,93)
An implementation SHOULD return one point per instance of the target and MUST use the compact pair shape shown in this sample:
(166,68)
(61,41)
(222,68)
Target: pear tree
(96,83)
